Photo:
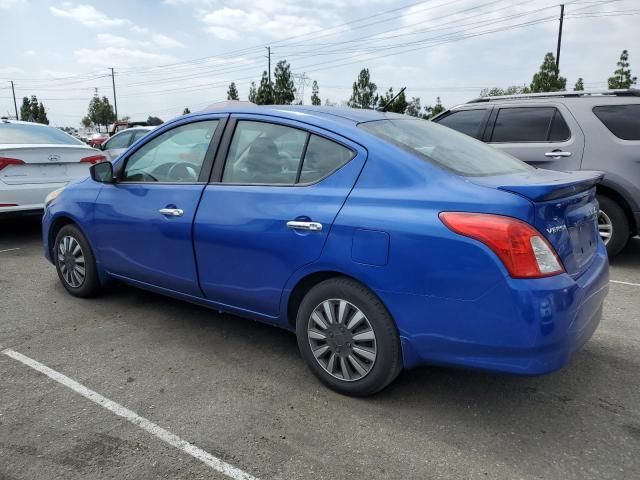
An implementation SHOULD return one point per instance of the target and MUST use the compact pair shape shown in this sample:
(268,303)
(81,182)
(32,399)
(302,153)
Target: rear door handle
(311,226)
(171,212)
(557,154)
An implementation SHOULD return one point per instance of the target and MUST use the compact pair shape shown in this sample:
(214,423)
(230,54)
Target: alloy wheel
(342,339)
(71,261)
(605,227)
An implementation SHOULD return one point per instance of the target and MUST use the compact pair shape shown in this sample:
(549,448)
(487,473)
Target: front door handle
(171,212)
(557,154)
(311,226)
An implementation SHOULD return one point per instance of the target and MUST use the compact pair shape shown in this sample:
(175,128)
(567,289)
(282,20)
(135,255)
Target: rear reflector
(5,162)
(8,205)
(93,159)
(521,248)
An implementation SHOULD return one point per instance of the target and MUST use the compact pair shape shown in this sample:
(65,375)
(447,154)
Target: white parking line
(164,435)
(625,283)
(9,250)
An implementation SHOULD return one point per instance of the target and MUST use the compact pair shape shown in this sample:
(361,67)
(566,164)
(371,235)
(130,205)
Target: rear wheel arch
(306,283)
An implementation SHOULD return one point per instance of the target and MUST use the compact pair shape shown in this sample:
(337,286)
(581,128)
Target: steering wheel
(182,172)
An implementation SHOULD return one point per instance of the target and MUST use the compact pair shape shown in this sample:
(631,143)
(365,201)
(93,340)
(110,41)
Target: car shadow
(630,256)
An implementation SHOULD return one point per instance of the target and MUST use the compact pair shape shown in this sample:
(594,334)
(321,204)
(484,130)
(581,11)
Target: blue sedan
(383,241)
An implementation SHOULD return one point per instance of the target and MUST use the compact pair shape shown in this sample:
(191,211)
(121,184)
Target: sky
(172,54)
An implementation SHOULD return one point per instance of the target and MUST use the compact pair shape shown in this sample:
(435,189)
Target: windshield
(446,147)
(20,133)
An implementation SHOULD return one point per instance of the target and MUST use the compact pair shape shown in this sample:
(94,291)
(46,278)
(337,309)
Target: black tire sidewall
(388,363)
(91,284)
(620,224)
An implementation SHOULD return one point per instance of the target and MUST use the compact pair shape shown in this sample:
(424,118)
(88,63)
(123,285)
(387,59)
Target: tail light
(5,162)
(93,159)
(521,248)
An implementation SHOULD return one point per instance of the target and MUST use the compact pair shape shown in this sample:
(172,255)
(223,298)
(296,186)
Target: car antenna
(386,105)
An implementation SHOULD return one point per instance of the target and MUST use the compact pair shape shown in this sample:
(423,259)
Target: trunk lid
(565,210)
(45,163)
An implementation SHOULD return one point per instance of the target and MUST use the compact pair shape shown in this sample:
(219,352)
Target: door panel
(523,142)
(143,224)
(135,240)
(244,249)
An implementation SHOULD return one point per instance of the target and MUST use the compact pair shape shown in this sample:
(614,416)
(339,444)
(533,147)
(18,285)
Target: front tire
(348,338)
(75,262)
(613,225)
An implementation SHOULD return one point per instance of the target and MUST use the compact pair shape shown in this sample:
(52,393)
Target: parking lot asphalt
(240,391)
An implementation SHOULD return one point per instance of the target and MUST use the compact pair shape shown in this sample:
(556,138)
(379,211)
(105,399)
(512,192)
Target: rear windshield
(622,120)
(34,134)
(446,147)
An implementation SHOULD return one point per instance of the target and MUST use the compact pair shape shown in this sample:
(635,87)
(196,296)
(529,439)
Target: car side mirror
(102,172)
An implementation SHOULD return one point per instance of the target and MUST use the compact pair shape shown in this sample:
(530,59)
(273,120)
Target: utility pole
(115,103)
(15,105)
(559,37)
(269,63)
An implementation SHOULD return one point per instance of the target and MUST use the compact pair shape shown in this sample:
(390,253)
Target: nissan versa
(384,242)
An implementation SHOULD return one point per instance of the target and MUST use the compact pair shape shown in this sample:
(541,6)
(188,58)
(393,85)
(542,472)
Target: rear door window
(469,122)
(622,120)
(529,124)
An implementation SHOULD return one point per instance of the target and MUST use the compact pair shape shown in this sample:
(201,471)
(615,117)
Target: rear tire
(613,221)
(75,262)
(362,339)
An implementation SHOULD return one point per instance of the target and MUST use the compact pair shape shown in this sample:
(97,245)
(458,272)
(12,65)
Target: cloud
(121,57)
(87,15)
(165,41)
(8,71)
(29,53)
(112,40)
(272,22)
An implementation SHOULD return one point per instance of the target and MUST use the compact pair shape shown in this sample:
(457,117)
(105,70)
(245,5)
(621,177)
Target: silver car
(36,160)
(117,144)
(583,130)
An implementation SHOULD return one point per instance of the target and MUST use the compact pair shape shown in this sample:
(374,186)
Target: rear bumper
(526,327)
(27,197)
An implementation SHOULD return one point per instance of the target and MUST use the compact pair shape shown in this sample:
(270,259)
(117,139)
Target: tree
(232,93)
(186,111)
(315,94)
(101,112)
(42,115)
(413,107)
(34,109)
(579,85)
(329,103)
(284,91)
(548,79)
(399,105)
(25,110)
(264,95)
(438,108)
(364,91)
(622,76)
(153,121)
(253,93)
(86,122)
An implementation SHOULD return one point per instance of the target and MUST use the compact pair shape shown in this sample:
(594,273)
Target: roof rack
(631,92)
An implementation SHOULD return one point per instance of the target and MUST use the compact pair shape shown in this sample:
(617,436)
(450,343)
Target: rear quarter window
(20,133)
(621,120)
(445,147)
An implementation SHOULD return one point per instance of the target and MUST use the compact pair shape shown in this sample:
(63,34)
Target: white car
(35,160)
(117,144)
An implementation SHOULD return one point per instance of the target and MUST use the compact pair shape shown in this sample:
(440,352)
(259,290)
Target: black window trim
(494,117)
(221,157)
(210,155)
(606,126)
